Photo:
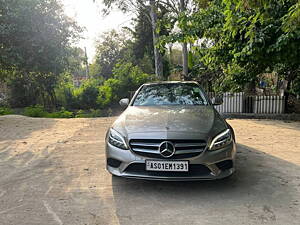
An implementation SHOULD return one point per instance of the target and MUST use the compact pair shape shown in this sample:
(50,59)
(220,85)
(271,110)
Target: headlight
(117,139)
(221,140)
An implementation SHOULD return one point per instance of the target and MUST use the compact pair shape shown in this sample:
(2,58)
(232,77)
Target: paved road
(52,172)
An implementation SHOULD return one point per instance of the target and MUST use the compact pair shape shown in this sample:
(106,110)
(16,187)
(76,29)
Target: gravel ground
(52,171)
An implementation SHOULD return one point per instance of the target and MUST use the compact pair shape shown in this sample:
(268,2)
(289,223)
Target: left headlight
(116,139)
(221,140)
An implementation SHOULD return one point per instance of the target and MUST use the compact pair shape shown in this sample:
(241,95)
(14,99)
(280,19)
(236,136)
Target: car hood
(169,121)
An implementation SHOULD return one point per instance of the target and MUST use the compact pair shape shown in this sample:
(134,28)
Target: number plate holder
(167,165)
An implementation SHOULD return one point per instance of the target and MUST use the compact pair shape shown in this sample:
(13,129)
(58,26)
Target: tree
(269,43)
(111,48)
(76,61)
(143,40)
(36,38)
(157,54)
(244,38)
(126,77)
(151,11)
(178,12)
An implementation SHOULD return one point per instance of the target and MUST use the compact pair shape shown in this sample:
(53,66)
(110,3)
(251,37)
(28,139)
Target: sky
(88,14)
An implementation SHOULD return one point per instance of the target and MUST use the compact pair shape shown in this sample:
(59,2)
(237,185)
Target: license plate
(159,165)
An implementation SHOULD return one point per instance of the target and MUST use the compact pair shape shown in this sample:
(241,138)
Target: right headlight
(116,139)
(221,140)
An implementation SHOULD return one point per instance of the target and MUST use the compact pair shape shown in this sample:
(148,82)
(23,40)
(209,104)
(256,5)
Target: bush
(35,111)
(65,93)
(92,95)
(96,113)
(89,114)
(39,111)
(61,114)
(126,78)
(5,111)
(109,92)
(87,94)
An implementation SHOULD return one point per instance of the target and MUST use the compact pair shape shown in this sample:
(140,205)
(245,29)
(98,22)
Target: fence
(242,103)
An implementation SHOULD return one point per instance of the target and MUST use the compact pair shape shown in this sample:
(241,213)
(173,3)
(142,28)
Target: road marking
(50,211)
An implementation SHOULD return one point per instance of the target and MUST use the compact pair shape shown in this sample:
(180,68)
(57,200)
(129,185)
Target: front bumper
(209,165)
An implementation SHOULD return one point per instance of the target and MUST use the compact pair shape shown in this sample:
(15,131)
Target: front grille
(194,170)
(183,148)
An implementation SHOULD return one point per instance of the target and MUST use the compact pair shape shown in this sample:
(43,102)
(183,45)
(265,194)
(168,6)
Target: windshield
(170,94)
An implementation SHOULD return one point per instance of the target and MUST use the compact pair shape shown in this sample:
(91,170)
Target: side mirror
(124,102)
(218,100)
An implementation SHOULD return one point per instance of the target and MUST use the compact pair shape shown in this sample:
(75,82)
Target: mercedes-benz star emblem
(167,149)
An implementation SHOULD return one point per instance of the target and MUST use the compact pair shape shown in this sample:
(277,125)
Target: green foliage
(241,39)
(35,35)
(143,36)
(60,114)
(95,94)
(89,114)
(36,40)
(87,94)
(129,75)
(5,111)
(109,92)
(39,111)
(76,61)
(126,78)
(291,21)
(35,111)
(111,48)
(65,92)
(296,87)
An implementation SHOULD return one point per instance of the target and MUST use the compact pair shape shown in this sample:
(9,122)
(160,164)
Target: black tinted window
(170,94)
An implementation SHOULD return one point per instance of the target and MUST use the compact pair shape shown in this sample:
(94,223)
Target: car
(171,131)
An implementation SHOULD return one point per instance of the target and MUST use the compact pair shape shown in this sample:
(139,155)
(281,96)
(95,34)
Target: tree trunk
(157,54)
(185,69)
(171,53)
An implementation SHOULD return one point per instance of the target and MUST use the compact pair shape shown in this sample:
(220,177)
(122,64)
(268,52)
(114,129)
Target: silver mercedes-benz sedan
(171,131)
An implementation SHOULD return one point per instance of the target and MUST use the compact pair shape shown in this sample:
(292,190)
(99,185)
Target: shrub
(96,113)
(35,111)
(89,114)
(130,76)
(126,77)
(87,94)
(80,114)
(65,93)
(5,111)
(61,114)
(109,92)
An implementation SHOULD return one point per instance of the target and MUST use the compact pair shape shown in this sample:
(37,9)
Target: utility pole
(87,70)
